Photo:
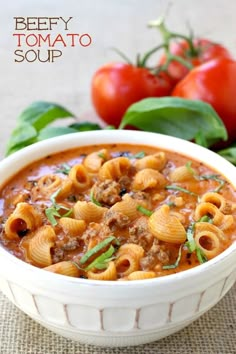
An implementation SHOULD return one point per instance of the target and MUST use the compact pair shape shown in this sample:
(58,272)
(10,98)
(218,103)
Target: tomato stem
(142,62)
(168,36)
(122,55)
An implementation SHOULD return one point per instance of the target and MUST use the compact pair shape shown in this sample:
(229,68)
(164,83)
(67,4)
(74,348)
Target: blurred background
(121,24)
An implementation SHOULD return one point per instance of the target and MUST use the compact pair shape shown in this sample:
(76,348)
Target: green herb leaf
(21,137)
(93,200)
(54,195)
(188,165)
(102,155)
(65,169)
(68,213)
(54,210)
(229,153)
(101,262)
(180,189)
(191,244)
(170,204)
(200,139)
(178,117)
(214,178)
(51,213)
(175,265)
(205,218)
(144,210)
(85,126)
(139,155)
(201,256)
(109,127)
(39,114)
(51,132)
(97,248)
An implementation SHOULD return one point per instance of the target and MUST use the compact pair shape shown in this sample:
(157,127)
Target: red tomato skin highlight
(117,85)
(215,83)
(207,50)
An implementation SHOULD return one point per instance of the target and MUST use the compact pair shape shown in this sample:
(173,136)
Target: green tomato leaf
(39,114)
(21,136)
(179,117)
(229,153)
(85,126)
(51,132)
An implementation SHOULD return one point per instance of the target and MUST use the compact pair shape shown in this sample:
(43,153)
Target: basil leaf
(94,200)
(229,154)
(191,244)
(50,132)
(144,211)
(205,218)
(139,155)
(214,178)
(96,249)
(175,265)
(21,136)
(64,168)
(101,261)
(85,126)
(178,117)
(50,214)
(54,195)
(180,189)
(39,114)
(201,256)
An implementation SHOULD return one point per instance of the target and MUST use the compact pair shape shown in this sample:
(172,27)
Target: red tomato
(213,82)
(116,86)
(205,51)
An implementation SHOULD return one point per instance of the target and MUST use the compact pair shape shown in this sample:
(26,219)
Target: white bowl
(116,313)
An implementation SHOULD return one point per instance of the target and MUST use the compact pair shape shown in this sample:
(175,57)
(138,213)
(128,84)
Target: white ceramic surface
(116,313)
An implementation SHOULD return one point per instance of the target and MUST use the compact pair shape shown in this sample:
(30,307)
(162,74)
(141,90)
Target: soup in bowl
(119,238)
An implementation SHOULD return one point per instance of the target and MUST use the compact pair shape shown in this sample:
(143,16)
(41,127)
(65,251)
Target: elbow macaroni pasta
(138,229)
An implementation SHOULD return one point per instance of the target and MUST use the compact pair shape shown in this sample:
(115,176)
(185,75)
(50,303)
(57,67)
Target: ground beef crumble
(107,192)
(115,219)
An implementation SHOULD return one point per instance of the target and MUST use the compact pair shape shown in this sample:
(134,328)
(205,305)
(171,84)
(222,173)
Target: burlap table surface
(213,333)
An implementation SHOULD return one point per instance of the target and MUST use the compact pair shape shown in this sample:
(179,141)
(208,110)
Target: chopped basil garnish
(175,265)
(180,189)
(54,195)
(97,248)
(139,155)
(102,155)
(144,211)
(188,165)
(101,262)
(205,218)
(201,256)
(213,178)
(50,214)
(53,211)
(93,199)
(64,168)
(171,204)
(191,244)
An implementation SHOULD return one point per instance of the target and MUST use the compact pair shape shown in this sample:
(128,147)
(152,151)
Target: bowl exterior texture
(115,313)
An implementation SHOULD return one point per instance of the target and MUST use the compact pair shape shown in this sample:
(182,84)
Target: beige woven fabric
(213,333)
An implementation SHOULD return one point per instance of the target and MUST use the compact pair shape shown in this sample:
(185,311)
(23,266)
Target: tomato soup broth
(117,212)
